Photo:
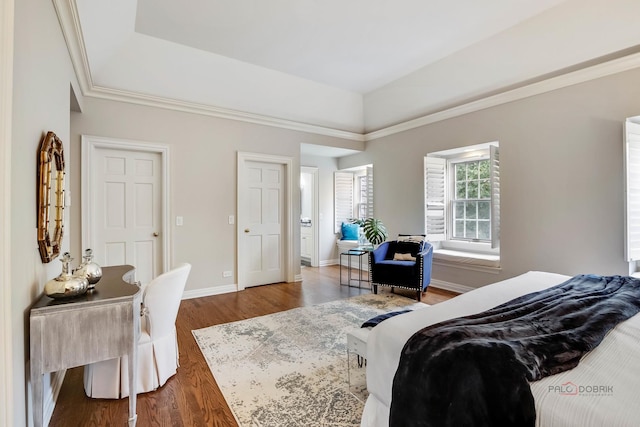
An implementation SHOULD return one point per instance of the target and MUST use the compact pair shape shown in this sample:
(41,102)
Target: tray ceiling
(335,67)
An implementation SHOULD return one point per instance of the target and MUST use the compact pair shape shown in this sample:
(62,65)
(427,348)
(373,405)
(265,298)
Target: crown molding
(72,30)
(219,112)
(558,82)
(69,20)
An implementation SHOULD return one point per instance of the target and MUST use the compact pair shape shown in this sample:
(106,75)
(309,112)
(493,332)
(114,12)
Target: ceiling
(356,45)
(344,69)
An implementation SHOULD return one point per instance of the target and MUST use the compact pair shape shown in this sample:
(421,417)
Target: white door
(261,204)
(126,197)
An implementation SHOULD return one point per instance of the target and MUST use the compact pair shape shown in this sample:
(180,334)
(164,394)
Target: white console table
(101,324)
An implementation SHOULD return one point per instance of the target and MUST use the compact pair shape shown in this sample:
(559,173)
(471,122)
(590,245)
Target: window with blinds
(435,197)
(462,195)
(343,195)
(353,195)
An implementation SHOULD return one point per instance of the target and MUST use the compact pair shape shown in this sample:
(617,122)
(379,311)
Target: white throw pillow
(403,257)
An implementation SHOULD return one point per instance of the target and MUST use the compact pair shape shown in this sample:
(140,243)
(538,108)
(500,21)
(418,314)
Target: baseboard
(448,286)
(328,262)
(297,278)
(207,292)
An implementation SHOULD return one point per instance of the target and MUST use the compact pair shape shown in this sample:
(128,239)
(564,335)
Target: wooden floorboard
(192,397)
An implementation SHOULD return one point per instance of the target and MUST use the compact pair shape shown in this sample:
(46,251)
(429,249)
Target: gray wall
(42,76)
(561,177)
(203,154)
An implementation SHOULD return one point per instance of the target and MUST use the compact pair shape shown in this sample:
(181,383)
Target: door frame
(315,213)
(90,144)
(287,247)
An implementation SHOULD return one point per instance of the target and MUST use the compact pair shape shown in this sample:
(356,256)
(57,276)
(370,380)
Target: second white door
(262,207)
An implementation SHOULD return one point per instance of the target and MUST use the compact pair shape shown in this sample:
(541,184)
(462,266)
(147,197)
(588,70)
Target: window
(632,193)
(471,201)
(462,198)
(353,195)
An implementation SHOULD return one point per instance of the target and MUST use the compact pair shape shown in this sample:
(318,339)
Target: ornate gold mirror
(50,196)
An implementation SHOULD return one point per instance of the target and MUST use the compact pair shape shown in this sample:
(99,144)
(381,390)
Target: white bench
(356,362)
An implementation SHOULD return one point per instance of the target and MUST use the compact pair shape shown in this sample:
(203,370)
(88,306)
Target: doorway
(309,216)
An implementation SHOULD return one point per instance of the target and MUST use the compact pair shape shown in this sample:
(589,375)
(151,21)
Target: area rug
(290,368)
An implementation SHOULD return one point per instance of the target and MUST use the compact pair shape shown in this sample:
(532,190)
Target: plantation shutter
(495,196)
(369,191)
(632,191)
(435,198)
(343,198)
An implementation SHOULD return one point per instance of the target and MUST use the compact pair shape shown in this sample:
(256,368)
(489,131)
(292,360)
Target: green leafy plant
(374,230)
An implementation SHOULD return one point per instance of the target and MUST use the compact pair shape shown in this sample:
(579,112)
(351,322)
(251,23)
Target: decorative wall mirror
(50,197)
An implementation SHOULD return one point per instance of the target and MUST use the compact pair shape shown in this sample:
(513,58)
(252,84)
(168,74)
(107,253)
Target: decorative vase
(66,285)
(89,269)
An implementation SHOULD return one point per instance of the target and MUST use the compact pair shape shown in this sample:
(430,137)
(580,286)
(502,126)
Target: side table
(101,324)
(360,253)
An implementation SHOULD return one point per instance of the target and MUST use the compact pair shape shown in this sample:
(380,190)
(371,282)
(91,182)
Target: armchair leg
(419,295)
(375,289)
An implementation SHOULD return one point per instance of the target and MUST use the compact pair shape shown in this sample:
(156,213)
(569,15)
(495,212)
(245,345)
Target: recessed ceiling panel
(355,45)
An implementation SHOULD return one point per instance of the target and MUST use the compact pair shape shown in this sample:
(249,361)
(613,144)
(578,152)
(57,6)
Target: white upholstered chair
(157,347)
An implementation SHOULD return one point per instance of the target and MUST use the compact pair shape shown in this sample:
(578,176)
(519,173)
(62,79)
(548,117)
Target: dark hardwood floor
(192,397)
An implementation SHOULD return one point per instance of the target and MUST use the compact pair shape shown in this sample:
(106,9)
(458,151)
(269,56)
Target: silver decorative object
(89,269)
(66,285)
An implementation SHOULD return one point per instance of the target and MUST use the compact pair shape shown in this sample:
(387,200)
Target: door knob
(156,234)
(246,230)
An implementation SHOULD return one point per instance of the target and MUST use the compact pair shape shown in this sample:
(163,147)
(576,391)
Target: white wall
(42,75)
(6,108)
(560,171)
(203,154)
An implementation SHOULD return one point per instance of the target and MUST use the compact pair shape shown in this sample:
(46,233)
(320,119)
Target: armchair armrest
(379,253)
(424,260)
(427,253)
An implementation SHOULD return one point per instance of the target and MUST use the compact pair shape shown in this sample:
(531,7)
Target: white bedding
(612,369)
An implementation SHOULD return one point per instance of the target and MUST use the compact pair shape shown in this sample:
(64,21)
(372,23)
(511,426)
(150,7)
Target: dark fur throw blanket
(475,370)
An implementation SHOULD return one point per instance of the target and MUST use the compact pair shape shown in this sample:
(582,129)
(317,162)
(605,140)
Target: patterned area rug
(290,368)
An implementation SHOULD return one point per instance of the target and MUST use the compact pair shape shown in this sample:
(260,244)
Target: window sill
(468,260)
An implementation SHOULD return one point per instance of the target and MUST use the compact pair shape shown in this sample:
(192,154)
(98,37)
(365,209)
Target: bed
(601,390)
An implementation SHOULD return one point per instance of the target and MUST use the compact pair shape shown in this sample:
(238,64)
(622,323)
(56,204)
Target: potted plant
(374,230)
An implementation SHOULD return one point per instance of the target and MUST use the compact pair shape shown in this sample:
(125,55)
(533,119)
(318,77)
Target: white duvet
(603,390)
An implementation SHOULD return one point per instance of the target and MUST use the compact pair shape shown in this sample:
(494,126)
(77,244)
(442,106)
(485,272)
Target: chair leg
(375,289)
(419,295)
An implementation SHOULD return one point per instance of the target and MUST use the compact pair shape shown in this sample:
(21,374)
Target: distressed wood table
(99,325)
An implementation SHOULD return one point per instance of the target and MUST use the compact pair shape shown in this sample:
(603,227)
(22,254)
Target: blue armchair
(401,263)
